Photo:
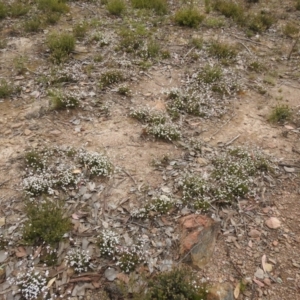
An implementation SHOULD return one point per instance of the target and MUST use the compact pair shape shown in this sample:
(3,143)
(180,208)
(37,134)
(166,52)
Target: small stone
(13,126)
(273,223)
(275,243)
(55,132)
(259,273)
(27,132)
(267,281)
(289,169)
(220,291)
(254,233)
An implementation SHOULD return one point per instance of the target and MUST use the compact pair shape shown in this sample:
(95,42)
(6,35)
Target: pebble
(27,132)
(16,125)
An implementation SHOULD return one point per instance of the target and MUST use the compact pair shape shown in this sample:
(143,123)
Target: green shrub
(210,74)
(79,30)
(116,7)
(260,22)
(53,6)
(152,50)
(60,45)
(59,100)
(230,9)
(189,16)
(110,77)
(18,9)
(290,29)
(33,24)
(178,284)
(280,114)
(6,89)
(45,223)
(52,18)
(297,4)
(159,6)
(3,10)
(222,50)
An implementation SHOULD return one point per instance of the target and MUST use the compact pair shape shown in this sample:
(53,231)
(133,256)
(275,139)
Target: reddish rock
(198,235)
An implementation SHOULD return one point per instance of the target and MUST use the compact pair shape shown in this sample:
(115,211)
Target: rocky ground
(255,248)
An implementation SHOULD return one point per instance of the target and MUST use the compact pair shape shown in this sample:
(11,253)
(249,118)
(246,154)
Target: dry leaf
(263,262)
(21,252)
(268,267)
(2,221)
(236,292)
(273,223)
(37,252)
(77,171)
(75,217)
(50,282)
(259,283)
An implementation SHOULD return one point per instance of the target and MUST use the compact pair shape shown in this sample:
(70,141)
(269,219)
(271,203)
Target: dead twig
(245,47)
(248,40)
(293,47)
(232,140)
(222,126)
(129,176)
(2,183)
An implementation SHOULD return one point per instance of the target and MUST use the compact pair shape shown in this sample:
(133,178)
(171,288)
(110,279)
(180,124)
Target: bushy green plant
(107,242)
(178,284)
(53,6)
(222,50)
(34,160)
(52,18)
(188,16)
(6,89)
(18,9)
(110,77)
(60,45)
(297,5)
(124,91)
(290,29)
(60,100)
(116,7)
(159,6)
(165,131)
(260,22)
(256,66)
(230,9)
(45,223)
(280,114)
(33,24)
(152,50)
(80,30)
(3,10)
(210,74)
(132,41)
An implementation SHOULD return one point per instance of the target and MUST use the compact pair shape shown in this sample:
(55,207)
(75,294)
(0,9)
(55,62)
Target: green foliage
(18,9)
(61,100)
(256,66)
(20,64)
(6,89)
(213,22)
(297,5)
(3,10)
(188,16)
(210,74)
(230,9)
(280,114)
(290,29)
(61,45)
(80,30)
(260,22)
(132,40)
(197,43)
(55,6)
(34,160)
(178,284)
(116,7)
(152,50)
(52,18)
(33,24)
(124,91)
(222,51)
(46,223)
(110,77)
(159,6)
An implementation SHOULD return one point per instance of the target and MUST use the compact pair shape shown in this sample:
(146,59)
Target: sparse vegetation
(231,10)
(223,51)
(61,46)
(3,10)
(188,16)
(6,89)
(290,29)
(280,114)
(159,6)
(80,30)
(33,24)
(54,6)
(116,7)
(260,22)
(110,77)
(46,222)
(60,100)
(18,9)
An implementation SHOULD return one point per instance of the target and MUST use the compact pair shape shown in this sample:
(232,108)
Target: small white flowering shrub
(157,206)
(32,284)
(107,241)
(78,259)
(98,164)
(167,131)
(146,115)
(66,100)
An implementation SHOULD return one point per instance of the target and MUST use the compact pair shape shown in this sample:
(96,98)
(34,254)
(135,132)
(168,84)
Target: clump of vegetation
(197,43)
(55,6)
(107,242)
(222,51)
(124,91)
(3,10)
(297,5)
(260,22)
(280,114)
(34,160)
(213,22)
(97,164)
(156,207)
(230,9)
(61,45)
(18,9)
(176,284)
(78,259)
(188,16)
(52,18)
(159,6)
(80,30)
(110,77)
(20,64)
(46,222)
(6,89)
(290,29)
(256,66)
(116,7)
(66,100)
(210,74)
(33,24)
(146,115)
(131,41)
(167,131)
(151,50)
(32,283)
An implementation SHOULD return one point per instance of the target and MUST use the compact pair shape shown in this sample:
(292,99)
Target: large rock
(220,291)
(198,234)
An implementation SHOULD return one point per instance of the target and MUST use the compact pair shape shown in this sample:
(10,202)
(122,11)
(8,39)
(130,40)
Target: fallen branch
(231,141)
(293,47)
